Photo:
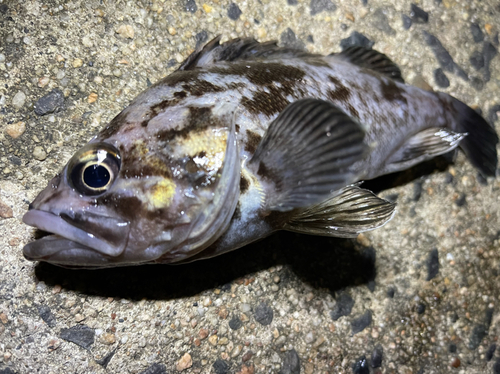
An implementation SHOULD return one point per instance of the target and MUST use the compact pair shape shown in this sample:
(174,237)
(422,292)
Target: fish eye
(94,168)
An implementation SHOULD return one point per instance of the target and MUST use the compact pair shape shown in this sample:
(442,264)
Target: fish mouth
(98,238)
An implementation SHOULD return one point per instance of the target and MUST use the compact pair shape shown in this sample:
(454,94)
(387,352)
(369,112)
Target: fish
(242,140)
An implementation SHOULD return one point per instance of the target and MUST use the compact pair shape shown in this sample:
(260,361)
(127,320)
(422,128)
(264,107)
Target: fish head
(155,196)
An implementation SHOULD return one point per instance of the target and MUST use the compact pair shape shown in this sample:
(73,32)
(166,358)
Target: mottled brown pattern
(273,101)
(199,118)
(178,77)
(263,74)
(128,207)
(135,164)
(253,140)
(114,126)
(244,184)
(199,87)
(391,91)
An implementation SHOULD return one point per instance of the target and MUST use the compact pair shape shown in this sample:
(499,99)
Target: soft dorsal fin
(306,154)
(371,59)
(237,49)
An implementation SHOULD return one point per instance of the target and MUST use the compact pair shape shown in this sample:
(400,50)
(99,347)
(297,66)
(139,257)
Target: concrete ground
(419,295)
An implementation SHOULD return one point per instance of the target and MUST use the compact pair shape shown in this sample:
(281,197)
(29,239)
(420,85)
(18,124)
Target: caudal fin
(480,143)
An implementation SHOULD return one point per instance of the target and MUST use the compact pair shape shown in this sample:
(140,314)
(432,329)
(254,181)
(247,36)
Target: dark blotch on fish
(253,141)
(244,184)
(391,91)
(199,119)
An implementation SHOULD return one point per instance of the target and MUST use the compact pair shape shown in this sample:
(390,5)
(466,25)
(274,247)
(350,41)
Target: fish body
(244,139)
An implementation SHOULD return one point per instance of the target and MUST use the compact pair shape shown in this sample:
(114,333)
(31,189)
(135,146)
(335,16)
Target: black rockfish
(244,139)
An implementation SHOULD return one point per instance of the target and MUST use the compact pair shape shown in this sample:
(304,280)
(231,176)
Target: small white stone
(39,153)
(19,100)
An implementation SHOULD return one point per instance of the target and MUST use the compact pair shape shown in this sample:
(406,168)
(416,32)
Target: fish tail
(480,143)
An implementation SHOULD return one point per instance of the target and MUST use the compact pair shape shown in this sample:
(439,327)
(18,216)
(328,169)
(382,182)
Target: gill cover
(216,214)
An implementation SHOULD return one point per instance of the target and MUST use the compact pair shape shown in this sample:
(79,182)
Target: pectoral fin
(306,154)
(424,146)
(345,215)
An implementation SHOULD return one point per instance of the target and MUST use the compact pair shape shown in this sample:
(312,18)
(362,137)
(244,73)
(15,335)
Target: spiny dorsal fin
(345,215)
(371,59)
(306,154)
(237,49)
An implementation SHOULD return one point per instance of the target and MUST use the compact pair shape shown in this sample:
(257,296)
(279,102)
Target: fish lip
(63,229)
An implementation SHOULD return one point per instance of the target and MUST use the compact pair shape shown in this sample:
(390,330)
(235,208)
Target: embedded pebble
(264,314)
(235,323)
(107,338)
(361,323)
(377,356)
(318,6)
(343,307)
(418,15)
(190,6)
(126,31)
(288,39)
(380,21)
(441,79)
(361,366)
(46,314)
(220,366)
(406,21)
(49,103)
(233,11)
(184,363)
(39,153)
(477,33)
(236,351)
(356,39)
(432,264)
(77,62)
(81,335)
(15,130)
(490,352)
(19,100)
(477,60)
(291,363)
(5,212)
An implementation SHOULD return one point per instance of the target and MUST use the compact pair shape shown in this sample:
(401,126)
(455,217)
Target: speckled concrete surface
(417,296)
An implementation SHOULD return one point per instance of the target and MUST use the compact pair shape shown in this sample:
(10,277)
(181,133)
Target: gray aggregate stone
(432,264)
(156,368)
(356,39)
(49,103)
(80,335)
(441,79)
(234,11)
(264,314)
(291,363)
(290,40)
(318,6)
(46,314)
(361,323)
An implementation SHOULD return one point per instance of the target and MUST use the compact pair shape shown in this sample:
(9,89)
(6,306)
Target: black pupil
(96,176)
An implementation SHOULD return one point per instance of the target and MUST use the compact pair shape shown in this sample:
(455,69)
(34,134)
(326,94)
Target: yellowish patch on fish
(211,143)
(162,193)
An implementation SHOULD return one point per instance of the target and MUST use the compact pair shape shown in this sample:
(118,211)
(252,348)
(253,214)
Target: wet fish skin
(227,150)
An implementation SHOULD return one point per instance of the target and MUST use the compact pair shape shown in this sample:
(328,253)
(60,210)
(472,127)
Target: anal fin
(423,146)
(344,215)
